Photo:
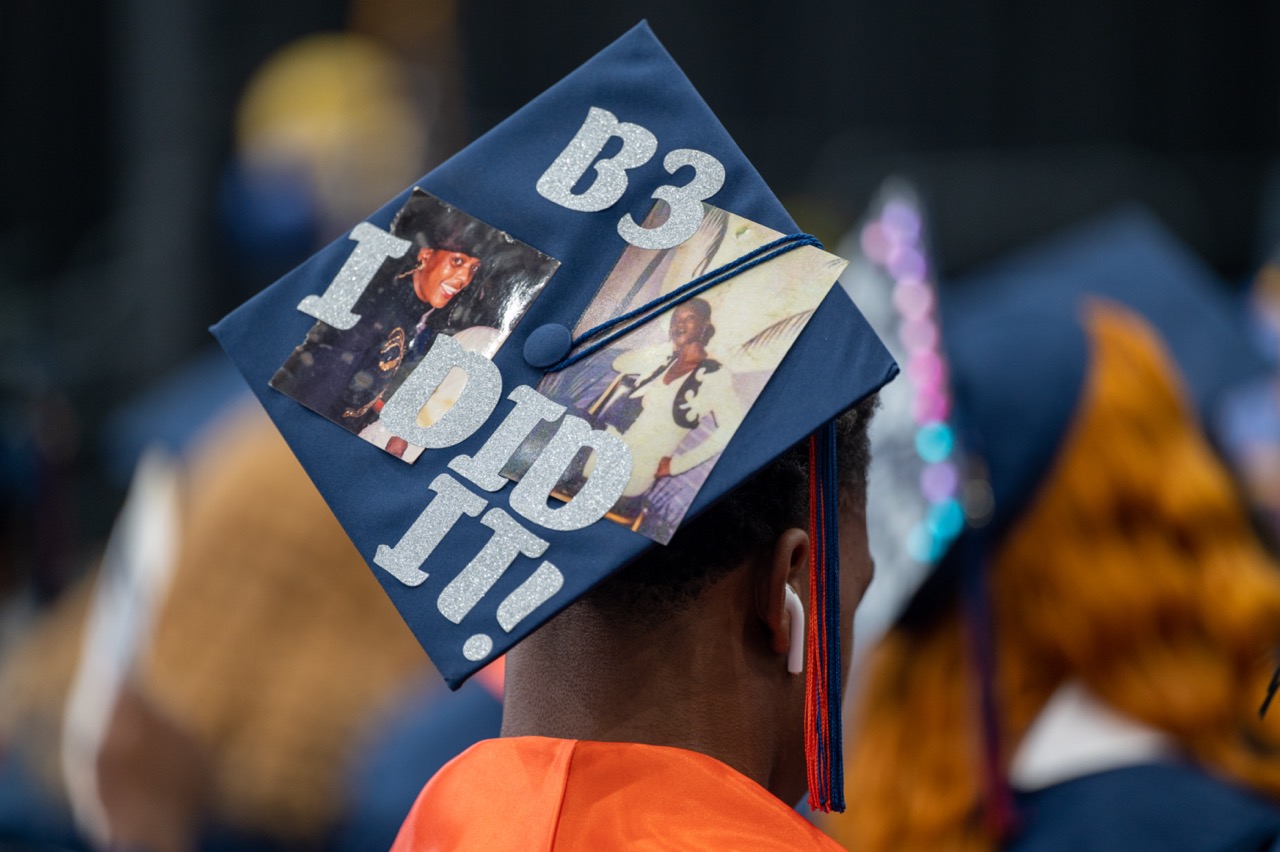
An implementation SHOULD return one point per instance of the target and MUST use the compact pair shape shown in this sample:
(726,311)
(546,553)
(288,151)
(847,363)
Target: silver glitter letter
(598,494)
(508,541)
(373,246)
(531,409)
(531,594)
(451,502)
(638,145)
(685,201)
(474,405)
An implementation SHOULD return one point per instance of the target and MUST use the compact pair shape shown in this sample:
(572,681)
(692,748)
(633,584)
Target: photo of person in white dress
(673,388)
(676,387)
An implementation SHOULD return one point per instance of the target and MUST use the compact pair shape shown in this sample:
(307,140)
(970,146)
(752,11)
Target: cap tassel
(823,746)
(1000,810)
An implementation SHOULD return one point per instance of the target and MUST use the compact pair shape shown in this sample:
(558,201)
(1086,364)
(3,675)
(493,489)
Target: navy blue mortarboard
(439,368)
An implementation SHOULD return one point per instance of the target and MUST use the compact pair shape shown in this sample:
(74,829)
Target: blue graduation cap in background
(1018,358)
(442,369)
(1017,351)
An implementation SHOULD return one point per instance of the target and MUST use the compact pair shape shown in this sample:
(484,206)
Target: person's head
(718,589)
(484,566)
(440,275)
(1133,570)
(691,324)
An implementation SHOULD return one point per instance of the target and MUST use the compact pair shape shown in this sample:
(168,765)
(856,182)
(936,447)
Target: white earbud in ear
(795,654)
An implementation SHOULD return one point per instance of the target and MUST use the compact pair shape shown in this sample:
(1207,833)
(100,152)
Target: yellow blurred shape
(339,108)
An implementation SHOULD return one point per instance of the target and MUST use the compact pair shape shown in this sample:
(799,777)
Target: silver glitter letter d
(474,405)
(598,494)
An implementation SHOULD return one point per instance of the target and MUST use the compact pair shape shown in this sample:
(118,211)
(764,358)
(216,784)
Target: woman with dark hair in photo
(458,276)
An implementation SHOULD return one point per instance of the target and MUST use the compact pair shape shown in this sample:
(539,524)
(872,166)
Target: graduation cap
(1017,350)
(1018,358)
(473,375)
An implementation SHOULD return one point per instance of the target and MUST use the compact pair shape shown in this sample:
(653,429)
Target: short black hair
(427,221)
(508,268)
(665,580)
(700,306)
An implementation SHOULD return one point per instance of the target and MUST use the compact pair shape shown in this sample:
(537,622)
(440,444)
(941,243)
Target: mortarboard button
(547,345)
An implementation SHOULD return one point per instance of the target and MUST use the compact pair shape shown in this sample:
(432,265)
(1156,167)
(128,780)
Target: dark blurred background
(127,225)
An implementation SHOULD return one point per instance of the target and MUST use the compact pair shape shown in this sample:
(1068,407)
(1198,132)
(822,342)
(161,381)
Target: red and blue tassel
(824,750)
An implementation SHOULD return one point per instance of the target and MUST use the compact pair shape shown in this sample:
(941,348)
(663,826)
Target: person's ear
(787,565)
(793,609)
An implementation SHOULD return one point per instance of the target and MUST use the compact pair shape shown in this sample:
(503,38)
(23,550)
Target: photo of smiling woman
(460,277)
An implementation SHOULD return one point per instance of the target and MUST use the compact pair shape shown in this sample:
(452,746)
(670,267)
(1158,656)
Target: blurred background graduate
(1084,669)
(261,660)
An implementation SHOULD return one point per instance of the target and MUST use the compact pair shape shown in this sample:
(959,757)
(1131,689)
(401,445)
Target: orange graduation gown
(541,794)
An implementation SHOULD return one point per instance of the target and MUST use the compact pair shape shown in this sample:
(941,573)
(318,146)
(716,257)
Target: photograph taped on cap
(676,388)
(458,276)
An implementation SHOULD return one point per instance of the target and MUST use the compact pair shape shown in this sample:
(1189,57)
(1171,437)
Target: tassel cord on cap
(835,659)
(824,753)
(651,309)
(813,662)
(1001,813)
